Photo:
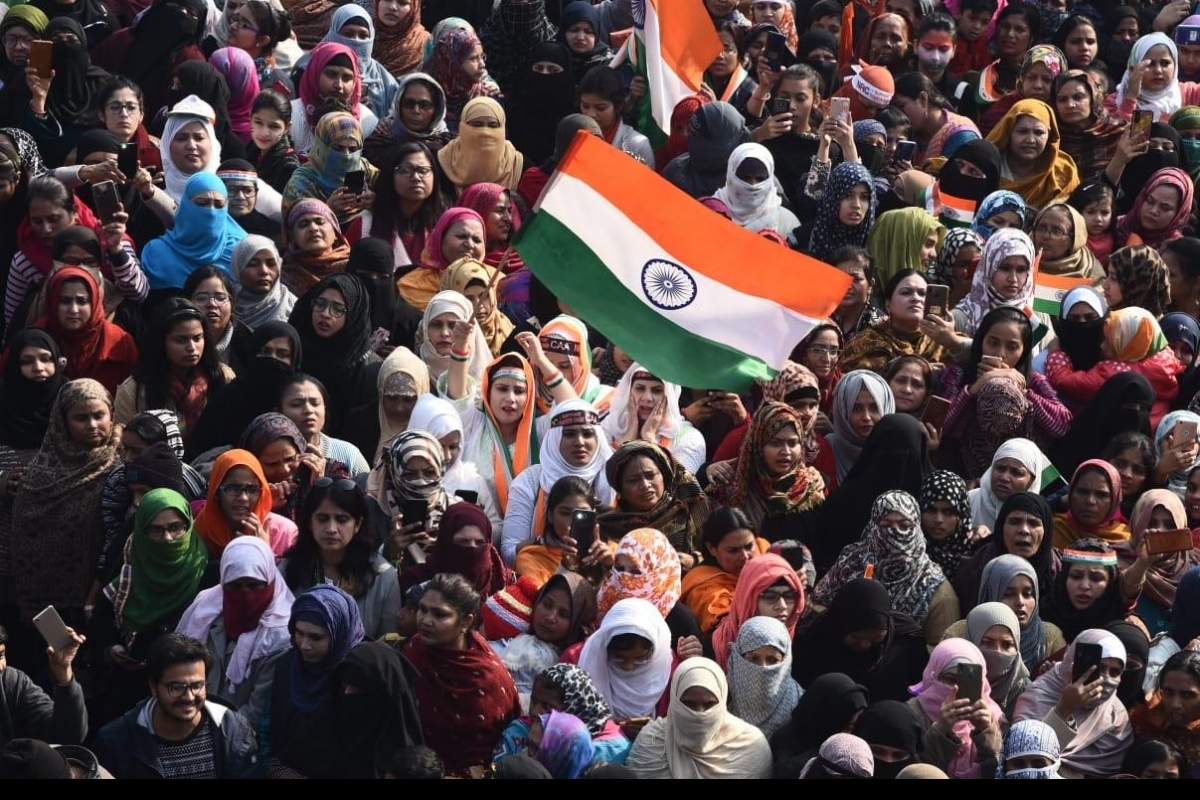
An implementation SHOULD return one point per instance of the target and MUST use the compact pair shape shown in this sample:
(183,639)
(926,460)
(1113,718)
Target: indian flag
(673,42)
(1049,291)
(695,298)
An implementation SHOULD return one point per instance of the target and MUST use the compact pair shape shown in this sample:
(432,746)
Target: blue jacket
(126,746)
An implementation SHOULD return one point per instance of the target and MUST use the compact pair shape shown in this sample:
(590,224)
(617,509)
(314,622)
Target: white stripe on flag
(664,85)
(760,328)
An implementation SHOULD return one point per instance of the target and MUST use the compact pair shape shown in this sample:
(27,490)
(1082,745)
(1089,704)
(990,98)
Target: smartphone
(905,151)
(50,625)
(996,362)
(638,721)
(937,300)
(1176,541)
(839,108)
(416,553)
(779,105)
(468,496)
(935,412)
(970,681)
(1087,655)
(583,529)
(776,45)
(1185,432)
(127,160)
(1139,130)
(107,204)
(41,57)
(414,511)
(355,181)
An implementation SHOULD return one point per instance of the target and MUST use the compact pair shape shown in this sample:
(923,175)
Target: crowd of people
(305,473)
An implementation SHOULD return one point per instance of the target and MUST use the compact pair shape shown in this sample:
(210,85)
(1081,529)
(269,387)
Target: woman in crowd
(630,660)
(762,689)
(729,545)
(336,151)
(1137,277)
(1169,716)
(1157,510)
(463,547)
(903,240)
(901,332)
(993,628)
(830,705)
(602,95)
(1036,167)
(476,281)
(260,296)
(699,737)
(332,77)
(418,116)
(1090,136)
(332,547)
(502,221)
(480,153)
(646,408)
(1093,507)
(946,520)
(1090,590)
(465,695)
(1000,209)
(211,290)
(317,248)
(456,62)
(1004,278)
(203,233)
(770,588)
(239,504)
(409,474)
(750,195)
(459,232)
(845,212)
(1023,526)
(860,401)
(1061,234)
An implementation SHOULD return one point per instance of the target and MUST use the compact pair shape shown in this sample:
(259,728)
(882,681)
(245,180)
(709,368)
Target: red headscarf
(761,573)
(481,566)
(482,198)
(98,350)
(319,58)
(34,247)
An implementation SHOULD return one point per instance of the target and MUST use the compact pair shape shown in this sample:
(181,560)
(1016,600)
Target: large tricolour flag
(695,298)
(673,42)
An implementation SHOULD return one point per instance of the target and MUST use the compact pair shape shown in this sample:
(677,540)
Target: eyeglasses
(178,688)
(1053,231)
(773,596)
(122,108)
(408,172)
(341,483)
(629,664)
(241,189)
(14,41)
(336,310)
(166,532)
(825,350)
(238,489)
(204,298)
(420,105)
(75,261)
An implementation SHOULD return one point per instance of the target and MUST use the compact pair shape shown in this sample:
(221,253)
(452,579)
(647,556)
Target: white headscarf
(244,557)
(618,415)
(985,505)
(452,302)
(700,744)
(845,442)
(753,206)
(1163,103)
(636,693)
(762,696)
(1086,295)
(554,466)
(436,416)
(175,177)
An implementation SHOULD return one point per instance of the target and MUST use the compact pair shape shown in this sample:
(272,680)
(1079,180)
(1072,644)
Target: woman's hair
(52,190)
(304,377)
(937,21)
(271,100)
(116,84)
(1132,440)
(1184,661)
(603,82)
(852,252)
(1153,751)
(274,23)
(152,371)
(896,364)
(624,641)
(912,84)
(388,212)
(894,283)
(457,591)
(892,117)
(1089,193)
(1068,27)
(735,33)
(147,427)
(724,521)
(201,274)
(995,317)
(1187,254)
(568,486)
(803,72)
(1032,15)
(304,557)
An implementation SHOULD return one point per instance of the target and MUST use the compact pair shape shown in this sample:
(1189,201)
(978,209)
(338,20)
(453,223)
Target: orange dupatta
(210,523)
(505,467)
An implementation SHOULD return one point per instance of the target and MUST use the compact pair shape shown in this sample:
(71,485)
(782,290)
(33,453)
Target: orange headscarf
(761,573)
(210,523)
(504,467)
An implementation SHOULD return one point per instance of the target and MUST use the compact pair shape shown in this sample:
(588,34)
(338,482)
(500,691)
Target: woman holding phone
(336,172)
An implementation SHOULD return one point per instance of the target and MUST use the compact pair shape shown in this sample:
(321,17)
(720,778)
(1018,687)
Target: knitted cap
(508,612)
(156,467)
(873,84)
(1188,31)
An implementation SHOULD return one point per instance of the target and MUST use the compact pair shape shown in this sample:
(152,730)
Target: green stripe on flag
(643,113)
(562,261)
(1046,305)
(1049,476)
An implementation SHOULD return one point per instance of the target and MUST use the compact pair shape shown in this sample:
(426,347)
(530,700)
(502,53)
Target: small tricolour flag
(1049,291)
(696,299)
(673,42)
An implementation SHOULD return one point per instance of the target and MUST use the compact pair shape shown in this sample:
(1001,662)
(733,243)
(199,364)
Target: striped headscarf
(1133,334)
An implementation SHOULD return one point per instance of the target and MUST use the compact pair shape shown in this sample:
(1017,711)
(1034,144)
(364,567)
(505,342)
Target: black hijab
(335,358)
(1139,170)
(202,79)
(381,718)
(163,30)
(895,456)
(372,262)
(95,21)
(95,140)
(1080,340)
(540,102)
(813,39)
(826,708)
(25,405)
(1137,646)
(1103,418)
(1105,609)
(892,724)
(76,80)
(582,11)
(984,155)
(715,130)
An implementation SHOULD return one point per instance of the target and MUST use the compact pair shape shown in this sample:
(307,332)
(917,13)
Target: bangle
(460,357)
(550,382)
(89,607)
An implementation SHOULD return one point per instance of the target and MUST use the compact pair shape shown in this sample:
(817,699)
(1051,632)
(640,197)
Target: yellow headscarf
(1057,175)
(458,276)
(481,155)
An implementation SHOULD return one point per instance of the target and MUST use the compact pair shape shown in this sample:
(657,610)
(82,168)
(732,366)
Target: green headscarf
(158,579)
(896,240)
(26,16)
(1187,118)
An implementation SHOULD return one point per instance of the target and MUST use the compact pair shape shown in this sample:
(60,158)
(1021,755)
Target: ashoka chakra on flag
(667,285)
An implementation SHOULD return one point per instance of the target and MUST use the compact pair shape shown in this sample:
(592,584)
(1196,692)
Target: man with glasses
(241,181)
(179,732)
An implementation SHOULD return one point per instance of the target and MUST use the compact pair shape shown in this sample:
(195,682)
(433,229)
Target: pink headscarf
(319,58)
(761,573)
(1130,224)
(432,258)
(931,693)
(242,77)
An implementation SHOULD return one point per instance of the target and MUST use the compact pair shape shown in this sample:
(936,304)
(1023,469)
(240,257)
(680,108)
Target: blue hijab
(992,205)
(201,236)
(337,612)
